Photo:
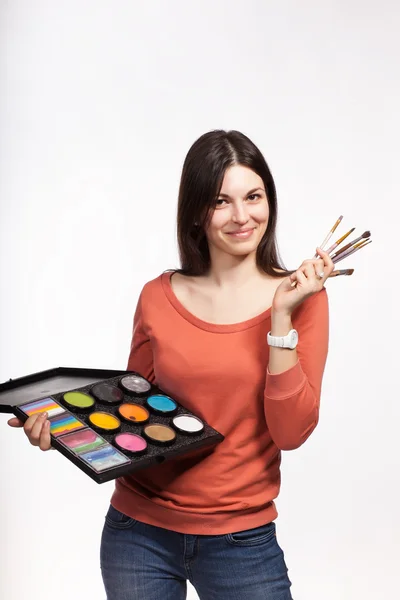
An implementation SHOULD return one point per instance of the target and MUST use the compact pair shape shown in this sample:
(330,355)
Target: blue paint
(162,403)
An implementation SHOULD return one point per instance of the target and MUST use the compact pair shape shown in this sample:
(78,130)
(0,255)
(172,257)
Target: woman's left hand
(309,277)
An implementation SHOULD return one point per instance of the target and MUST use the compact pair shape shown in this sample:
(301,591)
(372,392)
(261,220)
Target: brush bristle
(366,234)
(350,271)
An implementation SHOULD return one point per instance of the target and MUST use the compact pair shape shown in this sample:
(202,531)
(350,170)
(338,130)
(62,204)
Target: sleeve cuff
(286,384)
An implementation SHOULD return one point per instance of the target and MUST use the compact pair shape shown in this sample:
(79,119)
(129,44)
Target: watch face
(293,339)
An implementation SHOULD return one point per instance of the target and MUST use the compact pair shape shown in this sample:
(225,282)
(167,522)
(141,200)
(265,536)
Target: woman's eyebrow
(248,193)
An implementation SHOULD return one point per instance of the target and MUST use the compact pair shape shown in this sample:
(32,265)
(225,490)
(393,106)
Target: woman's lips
(241,234)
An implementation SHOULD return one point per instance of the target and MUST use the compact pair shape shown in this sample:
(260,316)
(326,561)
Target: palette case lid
(46,383)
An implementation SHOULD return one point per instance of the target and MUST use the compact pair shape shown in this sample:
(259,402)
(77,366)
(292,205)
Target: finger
(45,440)
(300,277)
(292,281)
(297,277)
(319,269)
(29,423)
(328,262)
(309,271)
(14,422)
(311,261)
(36,430)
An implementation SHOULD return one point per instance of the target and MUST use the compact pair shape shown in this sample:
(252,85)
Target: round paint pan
(130,443)
(135,384)
(106,393)
(158,434)
(133,413)
(78,401)
(162,405)
(188,424)
(104,422)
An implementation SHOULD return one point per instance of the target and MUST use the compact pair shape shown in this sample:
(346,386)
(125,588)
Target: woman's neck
(226,274)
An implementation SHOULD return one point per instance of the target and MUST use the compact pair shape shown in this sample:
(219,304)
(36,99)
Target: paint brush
(331,232)
(341,272)
(346,252)
(335,273)
(352,250)
(340,240)
(366,234)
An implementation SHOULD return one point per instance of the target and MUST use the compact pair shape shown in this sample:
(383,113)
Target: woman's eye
(252,197)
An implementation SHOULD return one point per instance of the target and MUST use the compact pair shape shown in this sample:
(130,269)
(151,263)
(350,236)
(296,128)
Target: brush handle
(341,272)
(332,248)
(335,273)
(340,257)
(339,241)
(351,251)
(326,240)
(330,234)
(344,249)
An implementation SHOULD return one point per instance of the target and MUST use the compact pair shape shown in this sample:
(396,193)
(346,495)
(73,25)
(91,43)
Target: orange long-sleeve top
(220,373)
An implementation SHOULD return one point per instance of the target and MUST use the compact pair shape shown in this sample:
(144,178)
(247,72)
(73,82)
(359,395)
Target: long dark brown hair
(201,181)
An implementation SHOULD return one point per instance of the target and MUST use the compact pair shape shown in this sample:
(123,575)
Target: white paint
(188,423)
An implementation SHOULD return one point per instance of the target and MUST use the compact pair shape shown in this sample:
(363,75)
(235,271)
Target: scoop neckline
(205,325)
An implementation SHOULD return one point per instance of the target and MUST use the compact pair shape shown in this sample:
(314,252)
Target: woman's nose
(240,214)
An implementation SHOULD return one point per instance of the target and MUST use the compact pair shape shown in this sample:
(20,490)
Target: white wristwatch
(285,341)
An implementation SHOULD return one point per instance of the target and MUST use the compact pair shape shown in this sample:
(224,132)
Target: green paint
(79,399)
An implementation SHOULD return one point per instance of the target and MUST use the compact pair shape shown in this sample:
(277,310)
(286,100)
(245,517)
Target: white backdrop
(99,103)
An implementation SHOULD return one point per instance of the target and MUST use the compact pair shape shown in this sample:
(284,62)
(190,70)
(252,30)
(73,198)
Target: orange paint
(133,412)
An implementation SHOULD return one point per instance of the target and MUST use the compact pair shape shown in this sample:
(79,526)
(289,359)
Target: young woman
(242,342)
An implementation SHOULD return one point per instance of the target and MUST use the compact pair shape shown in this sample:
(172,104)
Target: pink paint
(87,436)
(131,442)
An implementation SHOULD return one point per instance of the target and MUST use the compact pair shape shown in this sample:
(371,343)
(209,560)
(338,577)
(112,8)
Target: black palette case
(109,423)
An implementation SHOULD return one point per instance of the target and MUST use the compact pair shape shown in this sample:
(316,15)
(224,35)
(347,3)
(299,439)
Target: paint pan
(106,457)
(78,401)
(82,441)
(131,443)
(162,405)
(106,393)
(64,423)
(158,434)
(188,424)
(104,422)
(133,413)
(44,405)
(134,384)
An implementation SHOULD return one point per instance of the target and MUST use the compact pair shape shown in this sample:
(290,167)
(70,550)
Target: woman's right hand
(36,428)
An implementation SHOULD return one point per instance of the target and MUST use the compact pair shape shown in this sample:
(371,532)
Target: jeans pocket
(252,537)
(118,520)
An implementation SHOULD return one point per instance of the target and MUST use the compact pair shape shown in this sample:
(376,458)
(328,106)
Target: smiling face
(240,217)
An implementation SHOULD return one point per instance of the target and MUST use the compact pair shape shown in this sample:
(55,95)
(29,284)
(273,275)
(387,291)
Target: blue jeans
(143,562)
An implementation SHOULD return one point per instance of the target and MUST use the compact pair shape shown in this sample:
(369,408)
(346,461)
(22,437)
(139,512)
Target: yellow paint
(104,420)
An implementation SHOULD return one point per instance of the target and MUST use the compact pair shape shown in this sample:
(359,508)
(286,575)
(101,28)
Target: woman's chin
(244,246)
(242,250)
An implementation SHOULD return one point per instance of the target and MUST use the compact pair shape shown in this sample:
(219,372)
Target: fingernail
(44,415)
